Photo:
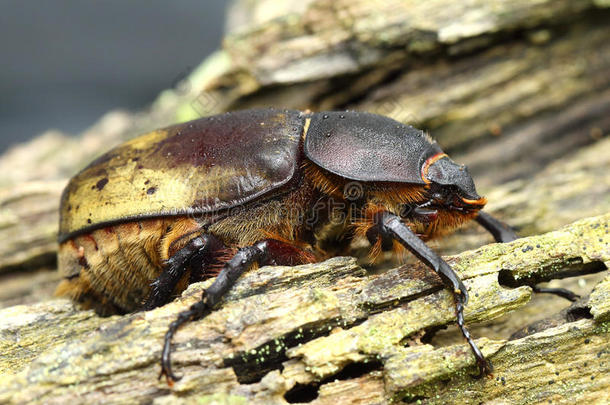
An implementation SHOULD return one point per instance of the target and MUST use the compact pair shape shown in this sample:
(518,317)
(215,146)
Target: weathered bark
(517,90)
(489,80)
(283,326)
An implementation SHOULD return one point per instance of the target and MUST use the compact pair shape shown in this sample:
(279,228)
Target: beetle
(220,194)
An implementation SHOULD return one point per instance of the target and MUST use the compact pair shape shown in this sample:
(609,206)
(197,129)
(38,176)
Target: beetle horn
(445,171)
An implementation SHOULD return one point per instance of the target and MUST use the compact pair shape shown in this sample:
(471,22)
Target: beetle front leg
(269,251)
(499,230)
(503,233)
(390,224)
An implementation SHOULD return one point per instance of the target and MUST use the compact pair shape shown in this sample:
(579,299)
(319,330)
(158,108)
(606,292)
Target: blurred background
(65,63)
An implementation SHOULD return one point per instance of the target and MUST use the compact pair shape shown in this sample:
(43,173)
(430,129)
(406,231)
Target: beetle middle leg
(561,292)
(268,251)
(390,226)
(498,229)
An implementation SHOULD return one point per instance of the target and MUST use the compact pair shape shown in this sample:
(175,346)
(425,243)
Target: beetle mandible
(209,197)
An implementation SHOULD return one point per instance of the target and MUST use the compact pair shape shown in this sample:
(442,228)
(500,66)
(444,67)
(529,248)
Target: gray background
(64,63)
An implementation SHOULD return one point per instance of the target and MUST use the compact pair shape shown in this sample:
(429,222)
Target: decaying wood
(282,326)
(489,79)
(518,90)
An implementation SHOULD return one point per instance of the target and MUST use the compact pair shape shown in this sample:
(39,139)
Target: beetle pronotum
(209,197)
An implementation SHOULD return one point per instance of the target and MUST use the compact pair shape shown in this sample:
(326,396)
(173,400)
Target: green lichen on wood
(326,356)
(29,330)
(599,300)
(564,364)
(490,79)
(332,315)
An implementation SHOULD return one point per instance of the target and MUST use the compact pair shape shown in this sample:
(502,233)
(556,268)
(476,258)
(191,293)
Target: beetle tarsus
(484,365)
(196,311)
(499,230)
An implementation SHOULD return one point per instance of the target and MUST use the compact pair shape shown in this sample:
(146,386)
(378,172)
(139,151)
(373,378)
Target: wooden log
(517,90)
(489,80)
(282,329)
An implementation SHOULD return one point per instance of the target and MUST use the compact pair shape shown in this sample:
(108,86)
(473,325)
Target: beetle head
(451,184)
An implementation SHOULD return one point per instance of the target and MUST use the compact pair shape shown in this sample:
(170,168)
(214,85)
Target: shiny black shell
(368,147)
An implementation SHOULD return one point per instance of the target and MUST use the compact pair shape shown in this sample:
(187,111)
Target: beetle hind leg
(268,251)
(196,251)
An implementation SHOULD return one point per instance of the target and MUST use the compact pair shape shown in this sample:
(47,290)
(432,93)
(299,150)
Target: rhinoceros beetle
(217,195)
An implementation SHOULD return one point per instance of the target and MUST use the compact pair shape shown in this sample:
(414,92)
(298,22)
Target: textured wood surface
(488,79)
(282,326)
(518,90)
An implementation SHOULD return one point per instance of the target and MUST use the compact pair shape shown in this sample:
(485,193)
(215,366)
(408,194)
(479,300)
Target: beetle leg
(499,230)
(503,233)
(561,292)
(269,251)
(390,224)
(243,260)
(175,268)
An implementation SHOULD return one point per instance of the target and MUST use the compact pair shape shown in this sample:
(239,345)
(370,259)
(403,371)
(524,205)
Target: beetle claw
(170,377)
(485,369)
